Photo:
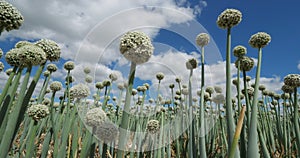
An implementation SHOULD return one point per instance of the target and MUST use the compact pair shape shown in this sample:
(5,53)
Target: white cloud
(69,22)
(298,66)
(89,32)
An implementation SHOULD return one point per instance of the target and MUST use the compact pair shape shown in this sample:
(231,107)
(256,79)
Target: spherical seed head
(265,92)
(107,132)
(141,88)
(153,126)
(191,64)
(271,94)
(210,90)
(38,111)
(202,39)
(88,79)
(151,100)
(274,102)
(1,66)
(21,44)
(31,55)
(113,76)
(199,93)
(12,57)
(235,82)
(99,85)
(71,79)
(121,86)
(46,101)
(285,96)
(69,65)
(95,117)
(277,96)
(292,80)
(246,63)
(171,86)
(51,49)
(51,67)
(259,40)
(10,17)
(218,99)
(178,79)
(87,70)
(218,89)
(261,87)
(248,78)
(80,91)
(250,91)
(56,105)
(46,73)
(48,90)
(55,86)
(229,18)
(185,91)
(239,51)
(136,47)
(9,71)
(177,97)
(168,101)
(146,85)
(134,92)
(160,76)
(1,53)
(194,100)
(287,89)
(106,83)
(206,96)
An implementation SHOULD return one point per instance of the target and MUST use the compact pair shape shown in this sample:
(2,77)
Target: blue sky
(88,33)
(278,18)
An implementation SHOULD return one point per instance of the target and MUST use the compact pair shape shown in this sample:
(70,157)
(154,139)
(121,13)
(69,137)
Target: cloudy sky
(89,32)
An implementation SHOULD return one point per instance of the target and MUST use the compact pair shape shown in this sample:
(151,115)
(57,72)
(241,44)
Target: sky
(89,34)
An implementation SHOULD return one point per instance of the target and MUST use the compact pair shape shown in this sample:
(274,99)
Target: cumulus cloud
(69,22)
(89,32)
(298,66)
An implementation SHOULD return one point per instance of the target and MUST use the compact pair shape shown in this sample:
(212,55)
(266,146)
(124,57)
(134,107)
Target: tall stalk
(296,119)
(202,145)
(13,118)
(125,115)
(229,111)
(253,150)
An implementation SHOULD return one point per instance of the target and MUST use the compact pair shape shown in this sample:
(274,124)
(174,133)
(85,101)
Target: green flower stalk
(226,20)
(29,55)
(13,59)
(192,64)
(258,40)
(54,86)
(10,17)
(137,48)
(293,80)
(239,52)
(202,40)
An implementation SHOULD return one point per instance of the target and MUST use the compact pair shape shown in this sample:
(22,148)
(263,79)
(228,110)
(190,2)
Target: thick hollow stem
(125,115)
(229,112)
(253,150)
(202,144)
(13,118)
